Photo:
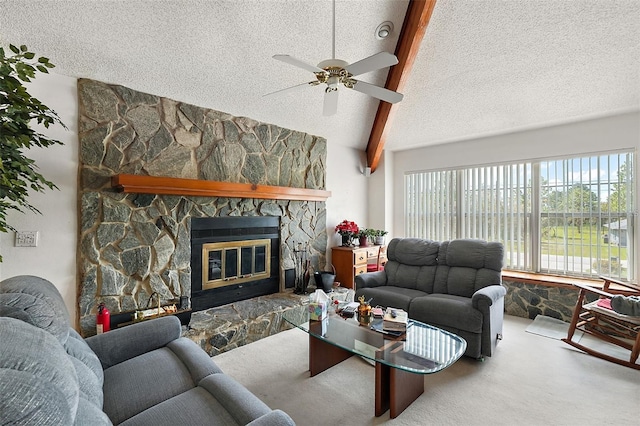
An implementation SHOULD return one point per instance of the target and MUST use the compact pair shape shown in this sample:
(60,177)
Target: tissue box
(318,310)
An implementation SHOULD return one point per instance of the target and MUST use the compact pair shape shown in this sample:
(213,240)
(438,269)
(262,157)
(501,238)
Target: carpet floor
(530,380)
(552,328)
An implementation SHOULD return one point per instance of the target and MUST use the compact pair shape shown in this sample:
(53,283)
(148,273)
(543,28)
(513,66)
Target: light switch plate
(27,238)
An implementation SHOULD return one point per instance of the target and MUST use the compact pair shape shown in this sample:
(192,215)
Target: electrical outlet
(27,238)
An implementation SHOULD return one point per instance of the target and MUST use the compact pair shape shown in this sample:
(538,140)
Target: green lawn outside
(583,242)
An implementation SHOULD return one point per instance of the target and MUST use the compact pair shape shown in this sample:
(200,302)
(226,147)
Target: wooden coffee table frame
(395,389)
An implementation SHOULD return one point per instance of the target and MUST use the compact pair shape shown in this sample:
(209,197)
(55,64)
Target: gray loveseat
(454,285)
(143,374)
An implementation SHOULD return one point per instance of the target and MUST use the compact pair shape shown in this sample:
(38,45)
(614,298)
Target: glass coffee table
(400,362)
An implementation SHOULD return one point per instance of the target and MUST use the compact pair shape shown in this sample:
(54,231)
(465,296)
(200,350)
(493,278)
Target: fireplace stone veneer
(131,245)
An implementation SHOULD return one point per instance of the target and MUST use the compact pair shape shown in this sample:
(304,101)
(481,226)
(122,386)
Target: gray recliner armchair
(454,285)
(143,374)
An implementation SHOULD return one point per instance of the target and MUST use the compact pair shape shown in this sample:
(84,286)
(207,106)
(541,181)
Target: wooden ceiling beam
(413,30)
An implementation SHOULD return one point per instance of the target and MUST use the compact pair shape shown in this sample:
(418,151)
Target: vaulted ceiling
(483,67)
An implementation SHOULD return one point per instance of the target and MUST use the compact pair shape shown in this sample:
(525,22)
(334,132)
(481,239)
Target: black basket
(325,279)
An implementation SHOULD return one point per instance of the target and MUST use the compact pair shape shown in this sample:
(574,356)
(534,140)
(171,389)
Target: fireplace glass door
(234,262)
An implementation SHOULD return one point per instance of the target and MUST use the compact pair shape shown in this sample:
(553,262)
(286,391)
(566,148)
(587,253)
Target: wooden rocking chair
(596,318)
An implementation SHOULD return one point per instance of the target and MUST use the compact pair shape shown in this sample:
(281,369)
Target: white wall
(55,256)
(585,137)
(381,196)
(348,186)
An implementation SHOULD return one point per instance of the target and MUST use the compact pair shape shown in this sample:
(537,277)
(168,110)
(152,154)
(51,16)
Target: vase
(364,241)
(380,241)
(346,240)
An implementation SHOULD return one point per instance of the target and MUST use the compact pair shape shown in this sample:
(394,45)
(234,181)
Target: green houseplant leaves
(18,109)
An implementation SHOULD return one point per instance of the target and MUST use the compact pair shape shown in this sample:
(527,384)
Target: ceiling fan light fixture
(332,82)
(384,30)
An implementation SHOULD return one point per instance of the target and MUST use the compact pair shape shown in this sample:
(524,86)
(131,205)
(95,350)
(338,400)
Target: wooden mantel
(207,188)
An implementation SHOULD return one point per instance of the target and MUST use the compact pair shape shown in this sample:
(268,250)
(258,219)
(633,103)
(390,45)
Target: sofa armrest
(129,342)
(488,295)
(273,418)
(370,279)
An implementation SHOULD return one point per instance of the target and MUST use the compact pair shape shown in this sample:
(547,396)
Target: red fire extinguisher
(103,319)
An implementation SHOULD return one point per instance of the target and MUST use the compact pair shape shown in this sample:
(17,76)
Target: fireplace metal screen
(233,258)
(235,262)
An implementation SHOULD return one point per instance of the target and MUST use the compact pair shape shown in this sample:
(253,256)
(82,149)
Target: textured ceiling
(485,67)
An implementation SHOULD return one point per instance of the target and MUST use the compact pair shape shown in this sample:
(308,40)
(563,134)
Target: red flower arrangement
(347,228)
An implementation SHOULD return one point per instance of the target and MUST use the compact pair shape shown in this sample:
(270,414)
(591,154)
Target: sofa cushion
(88,368)
(36,301)
(465,266)
(38,382)
(142,382)
(472,253)
(407,276)
(193,407)
(446,309)
(413,251)
(218,399)
(389,296)
(412,263)
(458,281)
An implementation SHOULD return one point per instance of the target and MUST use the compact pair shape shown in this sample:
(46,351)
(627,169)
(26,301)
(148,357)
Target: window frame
(533,247)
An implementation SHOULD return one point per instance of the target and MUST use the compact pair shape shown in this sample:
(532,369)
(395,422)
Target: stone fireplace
(133,244)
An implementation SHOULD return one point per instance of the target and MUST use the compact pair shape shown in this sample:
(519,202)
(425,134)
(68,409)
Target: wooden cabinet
(352,261)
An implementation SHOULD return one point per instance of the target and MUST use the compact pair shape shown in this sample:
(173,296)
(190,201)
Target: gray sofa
(454,285)
(142,374)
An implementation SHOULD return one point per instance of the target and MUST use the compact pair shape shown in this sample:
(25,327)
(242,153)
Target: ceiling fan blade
(292,88)
(297,62)
(378,92)
(330,102)
(372,63)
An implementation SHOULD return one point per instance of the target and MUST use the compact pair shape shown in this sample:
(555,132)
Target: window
(571,216)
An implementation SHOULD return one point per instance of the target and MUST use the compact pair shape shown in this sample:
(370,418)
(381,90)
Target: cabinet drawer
(360,270)
(372,252)
(360,257)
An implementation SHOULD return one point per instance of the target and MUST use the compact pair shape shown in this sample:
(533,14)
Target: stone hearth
(227,327)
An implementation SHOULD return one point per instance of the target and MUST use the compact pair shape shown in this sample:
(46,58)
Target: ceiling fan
(335,72)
